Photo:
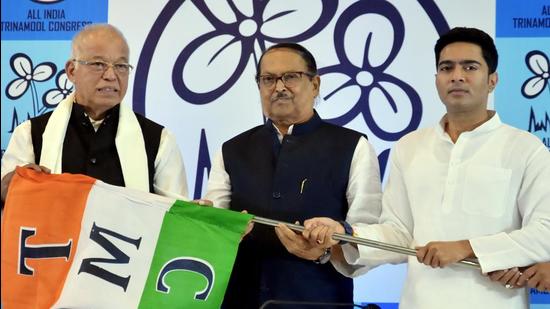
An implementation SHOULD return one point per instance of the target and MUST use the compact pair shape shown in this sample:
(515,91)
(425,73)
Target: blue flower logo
(28,75)
(538,63)
(376,87)
(248,30)
(64,87)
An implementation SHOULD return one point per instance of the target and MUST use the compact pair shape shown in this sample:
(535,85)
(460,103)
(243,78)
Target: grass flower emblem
(249,32)
(28,75)
(64,87)
(376,89)
(538,63)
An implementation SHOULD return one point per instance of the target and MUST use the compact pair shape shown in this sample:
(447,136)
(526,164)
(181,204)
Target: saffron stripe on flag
(38,221)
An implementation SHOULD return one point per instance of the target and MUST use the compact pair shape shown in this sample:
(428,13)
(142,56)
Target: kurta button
(93,160)
(276,194)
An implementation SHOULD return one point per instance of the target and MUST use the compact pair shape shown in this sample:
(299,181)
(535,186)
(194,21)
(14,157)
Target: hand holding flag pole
(469,262)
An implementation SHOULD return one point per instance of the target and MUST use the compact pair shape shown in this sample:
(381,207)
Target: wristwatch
(348,230)
(324,258)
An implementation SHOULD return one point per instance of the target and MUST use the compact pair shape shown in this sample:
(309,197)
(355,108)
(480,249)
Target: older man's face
(99,89)
(287,104)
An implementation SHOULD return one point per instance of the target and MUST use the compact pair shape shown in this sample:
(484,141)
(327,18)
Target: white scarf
(129,144)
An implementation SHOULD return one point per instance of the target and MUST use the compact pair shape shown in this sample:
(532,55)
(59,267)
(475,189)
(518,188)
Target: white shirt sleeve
(170,178)
(219,183)
(364,191)
(20,150)
(363,195)
(395,226)
(529,244)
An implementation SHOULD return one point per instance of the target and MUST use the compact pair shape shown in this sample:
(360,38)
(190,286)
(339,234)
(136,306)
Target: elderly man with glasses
(92,133)
(293,167)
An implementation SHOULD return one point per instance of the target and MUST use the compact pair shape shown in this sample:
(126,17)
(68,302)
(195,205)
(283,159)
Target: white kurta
(492,187)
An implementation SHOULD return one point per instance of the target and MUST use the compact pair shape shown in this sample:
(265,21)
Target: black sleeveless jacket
(94,153)
(304,176)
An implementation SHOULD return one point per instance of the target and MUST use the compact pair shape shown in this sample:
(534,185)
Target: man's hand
(320,230)
(537,276)
(249,227)
(297,244)
(6,180)
(443,253)
(203,202)
(507,277)
(209,203)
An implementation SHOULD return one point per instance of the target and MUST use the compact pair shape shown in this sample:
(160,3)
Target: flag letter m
(119,257)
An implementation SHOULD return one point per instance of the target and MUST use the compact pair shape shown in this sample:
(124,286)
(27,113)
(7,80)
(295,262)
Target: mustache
(281,95)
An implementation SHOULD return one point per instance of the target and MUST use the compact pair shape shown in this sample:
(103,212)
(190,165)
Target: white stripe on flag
(127,212)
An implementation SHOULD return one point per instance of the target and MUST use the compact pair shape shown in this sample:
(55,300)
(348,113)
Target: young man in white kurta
(490,187)
(469,187)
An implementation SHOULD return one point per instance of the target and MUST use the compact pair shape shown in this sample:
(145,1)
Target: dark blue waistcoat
(305,176)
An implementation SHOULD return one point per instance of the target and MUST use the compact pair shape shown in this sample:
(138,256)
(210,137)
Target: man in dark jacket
(293,167)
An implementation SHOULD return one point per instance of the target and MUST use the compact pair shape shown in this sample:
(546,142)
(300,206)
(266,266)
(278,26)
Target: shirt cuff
(497,252)
(351,254)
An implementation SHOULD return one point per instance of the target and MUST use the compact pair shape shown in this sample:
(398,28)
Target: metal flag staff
(470,262)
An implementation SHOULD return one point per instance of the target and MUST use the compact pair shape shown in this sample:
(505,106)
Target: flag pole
(470,262)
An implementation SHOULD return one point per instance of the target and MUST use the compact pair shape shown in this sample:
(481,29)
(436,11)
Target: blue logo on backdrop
(248,31)
(49,19)
(538,63)
(369,76)
(522,97)
(33,83)
(27,77)
(245,30)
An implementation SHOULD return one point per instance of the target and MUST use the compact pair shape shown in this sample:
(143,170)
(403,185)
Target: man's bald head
(95,30)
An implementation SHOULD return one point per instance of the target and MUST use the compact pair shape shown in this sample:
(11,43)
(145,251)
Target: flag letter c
(188,264)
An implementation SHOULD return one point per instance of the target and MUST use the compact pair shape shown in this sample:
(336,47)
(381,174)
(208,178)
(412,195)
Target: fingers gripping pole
(470,262)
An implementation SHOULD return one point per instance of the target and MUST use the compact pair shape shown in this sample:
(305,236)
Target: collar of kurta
(129,144)
(489,125)
(295,131)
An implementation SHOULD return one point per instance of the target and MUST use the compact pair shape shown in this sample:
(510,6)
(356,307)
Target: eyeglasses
(102,66)
(289,79)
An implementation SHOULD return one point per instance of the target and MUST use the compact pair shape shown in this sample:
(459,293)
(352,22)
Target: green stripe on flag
(194,256)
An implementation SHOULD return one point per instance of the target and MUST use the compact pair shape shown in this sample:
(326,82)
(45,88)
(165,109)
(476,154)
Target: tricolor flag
(70,241)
